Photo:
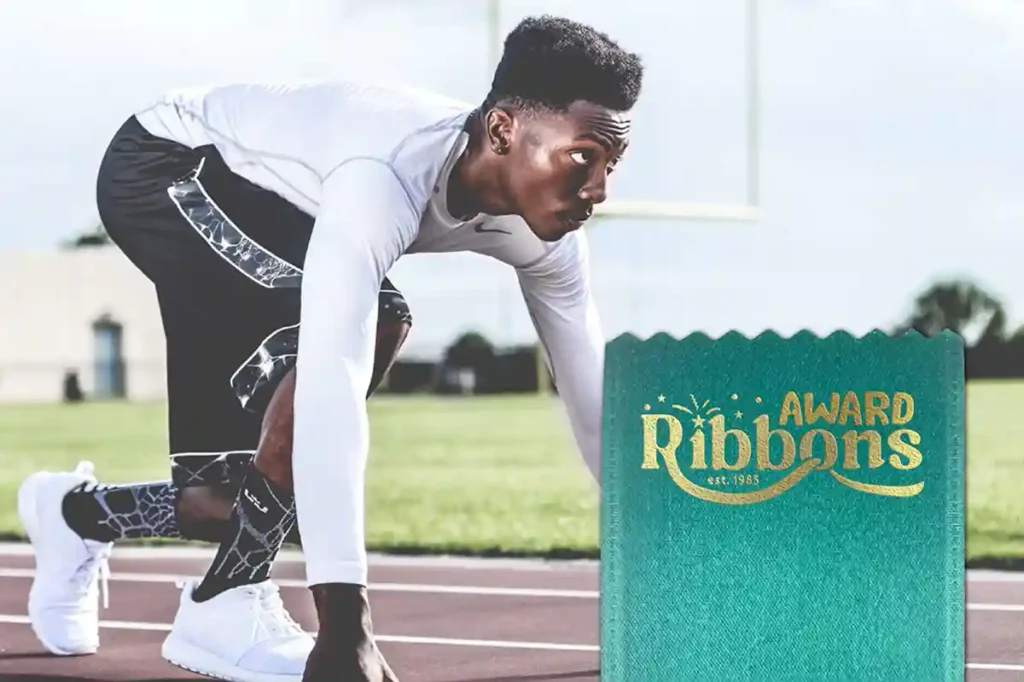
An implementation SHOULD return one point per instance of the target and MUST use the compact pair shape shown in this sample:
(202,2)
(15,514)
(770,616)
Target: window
(108,358)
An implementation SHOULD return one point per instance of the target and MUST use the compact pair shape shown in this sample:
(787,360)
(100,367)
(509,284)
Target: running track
(439,620)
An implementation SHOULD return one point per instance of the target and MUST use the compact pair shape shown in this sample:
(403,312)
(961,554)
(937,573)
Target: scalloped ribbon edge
(803,335)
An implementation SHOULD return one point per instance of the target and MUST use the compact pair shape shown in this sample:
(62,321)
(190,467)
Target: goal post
(747,212)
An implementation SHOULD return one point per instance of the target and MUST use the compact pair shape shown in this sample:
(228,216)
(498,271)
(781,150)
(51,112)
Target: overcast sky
(891,130)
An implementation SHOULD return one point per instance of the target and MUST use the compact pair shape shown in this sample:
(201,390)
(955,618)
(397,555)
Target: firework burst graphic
(700,412)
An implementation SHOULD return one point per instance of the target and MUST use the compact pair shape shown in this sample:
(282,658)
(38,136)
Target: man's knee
(274,454)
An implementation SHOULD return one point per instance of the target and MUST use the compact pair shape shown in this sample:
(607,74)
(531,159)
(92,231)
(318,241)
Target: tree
(465,362)
(472,350)
(961,307)
(97,236)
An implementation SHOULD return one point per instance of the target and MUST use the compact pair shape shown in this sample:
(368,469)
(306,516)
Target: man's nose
(595,190)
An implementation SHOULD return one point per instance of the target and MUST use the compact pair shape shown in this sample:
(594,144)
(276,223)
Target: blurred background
(825,164)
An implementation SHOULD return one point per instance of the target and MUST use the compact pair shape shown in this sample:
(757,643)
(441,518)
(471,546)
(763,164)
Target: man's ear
(499,124)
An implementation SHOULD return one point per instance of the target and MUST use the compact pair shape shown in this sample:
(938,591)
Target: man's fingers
(389,674)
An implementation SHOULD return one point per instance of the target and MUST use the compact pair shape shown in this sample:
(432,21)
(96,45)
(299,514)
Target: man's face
(558,165)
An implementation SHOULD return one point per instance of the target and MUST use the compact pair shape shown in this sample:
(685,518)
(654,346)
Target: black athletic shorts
(226,258)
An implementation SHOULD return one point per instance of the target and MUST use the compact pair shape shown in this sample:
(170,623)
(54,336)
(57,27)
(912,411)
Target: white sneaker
(63,601)
(242,635)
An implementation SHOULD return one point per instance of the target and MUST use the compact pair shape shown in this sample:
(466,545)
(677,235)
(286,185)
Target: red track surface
(534,624)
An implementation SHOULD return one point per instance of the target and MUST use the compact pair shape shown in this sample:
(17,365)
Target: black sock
(142,510)
(263,515)
(116,512)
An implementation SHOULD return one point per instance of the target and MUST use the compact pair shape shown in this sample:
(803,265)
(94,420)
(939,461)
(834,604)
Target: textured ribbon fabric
(783,509)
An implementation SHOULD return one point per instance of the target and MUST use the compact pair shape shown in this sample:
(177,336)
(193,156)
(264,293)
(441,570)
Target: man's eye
(582,158)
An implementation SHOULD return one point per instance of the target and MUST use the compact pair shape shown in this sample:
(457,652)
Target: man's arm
(559,299)
(365,223)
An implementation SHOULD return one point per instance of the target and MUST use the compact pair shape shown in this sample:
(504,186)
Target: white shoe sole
(28,513)
(186,656)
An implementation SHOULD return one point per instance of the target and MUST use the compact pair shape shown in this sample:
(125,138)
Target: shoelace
(105,583)
(97,564)
(99,560)
(270,603)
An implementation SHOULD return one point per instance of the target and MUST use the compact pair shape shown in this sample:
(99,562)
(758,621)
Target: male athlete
(258,210)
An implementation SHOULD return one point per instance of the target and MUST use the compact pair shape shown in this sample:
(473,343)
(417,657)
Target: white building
(89,311)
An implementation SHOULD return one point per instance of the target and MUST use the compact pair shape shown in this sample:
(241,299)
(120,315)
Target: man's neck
(475,185)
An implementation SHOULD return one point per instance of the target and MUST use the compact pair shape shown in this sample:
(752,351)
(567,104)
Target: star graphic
(739,415)
(661,398)
(698,421)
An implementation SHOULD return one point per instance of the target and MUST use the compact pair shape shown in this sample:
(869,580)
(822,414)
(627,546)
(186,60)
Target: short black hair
(550,62)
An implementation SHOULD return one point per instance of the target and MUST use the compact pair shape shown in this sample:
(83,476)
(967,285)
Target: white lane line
(1007,608)
(995,666)
(444,641)
(397,639)
(589,566)
(468,590)
(188,552)
(989,576)
(373,586)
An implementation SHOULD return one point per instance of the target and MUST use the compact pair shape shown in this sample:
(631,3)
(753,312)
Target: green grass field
(456,475)
(481,475)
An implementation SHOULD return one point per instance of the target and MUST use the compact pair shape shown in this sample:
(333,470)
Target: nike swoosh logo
(481,229)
